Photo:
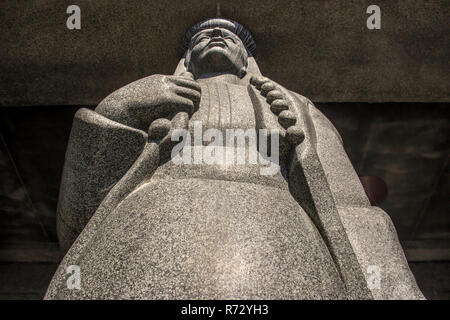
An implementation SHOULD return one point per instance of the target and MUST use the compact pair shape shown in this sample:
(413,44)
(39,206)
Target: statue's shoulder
(320,121)
(309,105)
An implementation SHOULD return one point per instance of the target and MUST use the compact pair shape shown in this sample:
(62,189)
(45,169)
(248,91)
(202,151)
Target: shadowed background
(386,91)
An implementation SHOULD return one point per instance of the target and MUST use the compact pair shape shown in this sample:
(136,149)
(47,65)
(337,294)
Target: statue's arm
(99,153)
(369,229)
(132,104)
(106,143)
(141,102)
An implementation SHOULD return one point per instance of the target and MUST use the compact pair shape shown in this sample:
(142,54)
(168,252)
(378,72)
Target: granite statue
(142,226)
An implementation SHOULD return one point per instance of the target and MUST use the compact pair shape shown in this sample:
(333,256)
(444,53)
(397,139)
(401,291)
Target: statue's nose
(217,32)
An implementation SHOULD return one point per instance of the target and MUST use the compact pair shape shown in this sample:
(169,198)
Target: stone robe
(206,231)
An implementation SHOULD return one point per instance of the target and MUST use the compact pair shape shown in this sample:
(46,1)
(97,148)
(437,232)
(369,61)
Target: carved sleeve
(99,153)
(369,229)
(342,178)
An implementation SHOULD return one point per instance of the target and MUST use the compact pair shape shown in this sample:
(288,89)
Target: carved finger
(191,94)
(187,83)
(181,104)
(267,87)
(187,75)
(287,118)
(158,129)
(278,106)
(295,135)
(180,121)
(273,95)
(258,81)
(254,80)
(176,104)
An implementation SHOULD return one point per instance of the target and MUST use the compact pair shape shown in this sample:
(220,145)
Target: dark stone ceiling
(321,49)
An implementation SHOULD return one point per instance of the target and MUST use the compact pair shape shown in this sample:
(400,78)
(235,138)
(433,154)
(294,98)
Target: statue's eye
(231,38)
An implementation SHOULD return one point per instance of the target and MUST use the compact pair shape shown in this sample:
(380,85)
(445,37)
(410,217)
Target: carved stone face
(216,50)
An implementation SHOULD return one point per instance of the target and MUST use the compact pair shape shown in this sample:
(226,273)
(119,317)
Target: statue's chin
(217,60)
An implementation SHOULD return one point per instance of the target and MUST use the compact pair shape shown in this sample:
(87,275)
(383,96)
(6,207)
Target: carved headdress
(230,25)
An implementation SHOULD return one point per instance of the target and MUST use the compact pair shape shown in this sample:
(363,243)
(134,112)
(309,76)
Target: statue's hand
(158,96)
(281,107)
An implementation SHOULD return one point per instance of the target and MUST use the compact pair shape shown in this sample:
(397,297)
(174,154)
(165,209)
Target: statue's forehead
(209,31)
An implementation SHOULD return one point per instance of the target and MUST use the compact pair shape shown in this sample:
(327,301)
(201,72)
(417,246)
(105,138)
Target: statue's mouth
(217,42)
